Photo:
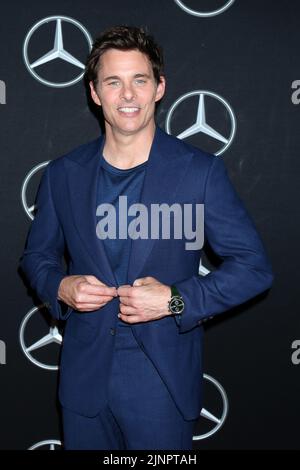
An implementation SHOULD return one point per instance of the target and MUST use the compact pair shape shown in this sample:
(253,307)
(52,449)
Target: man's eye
(140,81)
(114,84)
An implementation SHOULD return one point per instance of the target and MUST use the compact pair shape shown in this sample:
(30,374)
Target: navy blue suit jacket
(66,220)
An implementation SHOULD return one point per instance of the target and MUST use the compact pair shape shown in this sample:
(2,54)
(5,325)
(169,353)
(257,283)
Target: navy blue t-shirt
(115,182)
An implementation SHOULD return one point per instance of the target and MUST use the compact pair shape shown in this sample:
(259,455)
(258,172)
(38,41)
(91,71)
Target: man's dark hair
(124,38)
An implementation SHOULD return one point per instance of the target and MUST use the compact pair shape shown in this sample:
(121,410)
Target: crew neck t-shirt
(115,182)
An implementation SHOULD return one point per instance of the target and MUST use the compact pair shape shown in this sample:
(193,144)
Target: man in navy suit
(134,304)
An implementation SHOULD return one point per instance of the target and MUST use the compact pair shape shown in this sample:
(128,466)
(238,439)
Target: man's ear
(161,87)
(94,95)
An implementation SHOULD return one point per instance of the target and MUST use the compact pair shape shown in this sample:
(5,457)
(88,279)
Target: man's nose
(128,93)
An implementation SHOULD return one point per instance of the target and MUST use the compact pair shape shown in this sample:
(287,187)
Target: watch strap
(174,291)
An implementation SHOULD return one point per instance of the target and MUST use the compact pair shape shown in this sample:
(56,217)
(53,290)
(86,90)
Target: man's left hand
(146,300)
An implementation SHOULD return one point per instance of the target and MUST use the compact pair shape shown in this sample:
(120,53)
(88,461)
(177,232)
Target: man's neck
(127,151)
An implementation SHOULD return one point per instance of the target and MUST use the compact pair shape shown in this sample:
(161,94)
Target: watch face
(176,305)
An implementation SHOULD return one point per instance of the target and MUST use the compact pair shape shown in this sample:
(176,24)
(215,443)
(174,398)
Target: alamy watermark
(178,221)
(295,96)
(2,92)
(295,357)
(2,352)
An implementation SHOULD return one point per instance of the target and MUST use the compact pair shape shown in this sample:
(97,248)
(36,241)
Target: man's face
(127,91)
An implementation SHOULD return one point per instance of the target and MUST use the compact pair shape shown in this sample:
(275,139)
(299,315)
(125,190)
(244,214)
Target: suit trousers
(140,412)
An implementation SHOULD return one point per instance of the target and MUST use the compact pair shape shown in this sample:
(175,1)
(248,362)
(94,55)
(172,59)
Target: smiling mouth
(128,110)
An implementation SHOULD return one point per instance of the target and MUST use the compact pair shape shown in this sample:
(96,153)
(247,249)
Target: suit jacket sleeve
(45,245)
(245,270)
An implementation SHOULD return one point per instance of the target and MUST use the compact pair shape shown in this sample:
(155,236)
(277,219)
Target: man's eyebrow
(116,77)
(142,75)
(111,77)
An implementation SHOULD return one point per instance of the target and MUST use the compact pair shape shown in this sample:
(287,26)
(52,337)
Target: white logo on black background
(203,14)
(203,270)
(38,345)
(49,444)
(58,50)
(218,401)
(29,209)
(200,124)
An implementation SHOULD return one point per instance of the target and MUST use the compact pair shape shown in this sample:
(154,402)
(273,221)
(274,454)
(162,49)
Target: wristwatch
(176,304)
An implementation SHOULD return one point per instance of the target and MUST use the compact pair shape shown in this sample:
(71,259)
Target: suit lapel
(82,174)
(166,168)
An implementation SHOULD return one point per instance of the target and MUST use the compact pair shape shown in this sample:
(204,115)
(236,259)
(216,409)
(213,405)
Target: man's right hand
(85,293)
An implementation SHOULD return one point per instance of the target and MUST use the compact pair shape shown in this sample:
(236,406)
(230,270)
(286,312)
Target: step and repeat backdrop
(233,89)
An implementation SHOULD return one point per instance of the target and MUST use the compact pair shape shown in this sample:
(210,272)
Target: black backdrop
(249,56)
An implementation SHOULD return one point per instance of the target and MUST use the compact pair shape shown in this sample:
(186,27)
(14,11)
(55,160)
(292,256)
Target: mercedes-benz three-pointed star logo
(29,209)
(53,336)
(203,14)
(50,444)
(57,52)
(212,418)
(201,125)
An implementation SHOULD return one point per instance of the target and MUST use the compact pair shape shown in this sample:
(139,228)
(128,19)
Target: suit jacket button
(112,331)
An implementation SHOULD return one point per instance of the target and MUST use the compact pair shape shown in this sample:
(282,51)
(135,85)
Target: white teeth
(128,110)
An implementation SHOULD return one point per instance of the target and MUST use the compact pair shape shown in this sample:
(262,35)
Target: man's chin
(130,130)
